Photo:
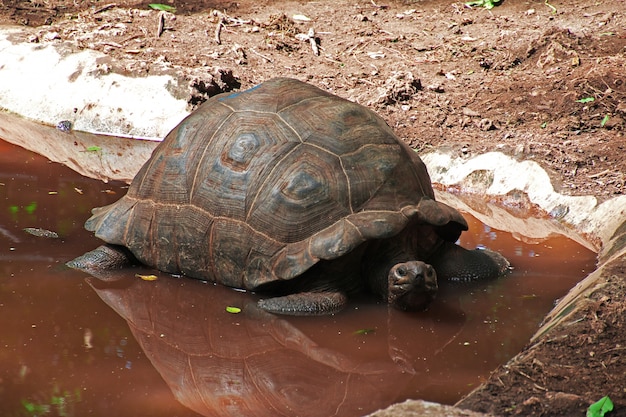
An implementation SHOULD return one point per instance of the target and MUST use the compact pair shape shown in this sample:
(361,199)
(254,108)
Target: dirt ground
(538,79)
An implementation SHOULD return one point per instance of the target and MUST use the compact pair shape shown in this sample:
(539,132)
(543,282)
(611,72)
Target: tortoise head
(411,285)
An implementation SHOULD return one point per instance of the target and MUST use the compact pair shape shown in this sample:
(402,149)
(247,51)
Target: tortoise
(288,190)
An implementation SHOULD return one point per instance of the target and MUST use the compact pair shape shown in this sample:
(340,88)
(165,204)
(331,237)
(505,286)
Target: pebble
(51,36)
(64,126)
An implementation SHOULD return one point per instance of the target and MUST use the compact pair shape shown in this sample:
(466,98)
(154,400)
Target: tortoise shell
(260,185)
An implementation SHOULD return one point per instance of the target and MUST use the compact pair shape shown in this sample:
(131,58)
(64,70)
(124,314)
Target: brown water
(81,346)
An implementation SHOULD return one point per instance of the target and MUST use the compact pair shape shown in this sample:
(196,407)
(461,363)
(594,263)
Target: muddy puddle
(76,345)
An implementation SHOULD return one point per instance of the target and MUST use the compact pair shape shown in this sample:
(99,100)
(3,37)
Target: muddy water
(79,345)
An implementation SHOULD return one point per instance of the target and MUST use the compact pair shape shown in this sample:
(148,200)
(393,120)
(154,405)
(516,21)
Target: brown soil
(518,79)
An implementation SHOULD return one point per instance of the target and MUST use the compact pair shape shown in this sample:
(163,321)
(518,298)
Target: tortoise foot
(305,303)
(103,258)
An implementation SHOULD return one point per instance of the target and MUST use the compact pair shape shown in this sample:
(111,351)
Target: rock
(419,408)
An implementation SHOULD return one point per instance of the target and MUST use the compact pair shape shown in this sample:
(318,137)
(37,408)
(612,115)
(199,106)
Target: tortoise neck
(378,259)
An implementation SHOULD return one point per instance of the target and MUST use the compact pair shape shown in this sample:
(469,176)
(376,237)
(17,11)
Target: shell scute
(335,241)
(237,161)
(166,175)
(378,225)
(335,125)
(305,192)
(271,96)
(293,260)
(235,248)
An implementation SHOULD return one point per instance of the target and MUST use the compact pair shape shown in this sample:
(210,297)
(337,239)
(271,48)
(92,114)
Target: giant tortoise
(290,191)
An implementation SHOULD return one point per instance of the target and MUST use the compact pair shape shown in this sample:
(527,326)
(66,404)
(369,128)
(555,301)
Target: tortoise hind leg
(305,303)
(102,258)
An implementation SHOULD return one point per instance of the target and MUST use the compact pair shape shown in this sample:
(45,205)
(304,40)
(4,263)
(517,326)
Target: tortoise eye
(401,271)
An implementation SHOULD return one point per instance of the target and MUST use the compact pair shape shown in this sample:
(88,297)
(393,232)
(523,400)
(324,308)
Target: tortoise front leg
(103,258)
(305,303)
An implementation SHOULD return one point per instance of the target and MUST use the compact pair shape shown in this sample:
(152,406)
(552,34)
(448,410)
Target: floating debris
(64,126)
(365,331)
(147,277)
(36,231)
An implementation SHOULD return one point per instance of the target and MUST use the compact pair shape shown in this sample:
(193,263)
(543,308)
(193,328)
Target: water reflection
(253,363)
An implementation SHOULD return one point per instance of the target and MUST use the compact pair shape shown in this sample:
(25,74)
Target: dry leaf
(147,277)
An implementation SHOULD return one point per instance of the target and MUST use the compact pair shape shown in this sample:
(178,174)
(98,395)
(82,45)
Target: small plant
(605,119)
(162,7)
(487,4)
(600,408)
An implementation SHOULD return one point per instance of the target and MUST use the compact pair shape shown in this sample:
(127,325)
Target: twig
(130,38)
(366,81)
(327,58)
(599,174)
(310,36)
(218,30)
(261,55)
(239,22)
(525,375)
(450,340)
(234,20)
(613,350)
(105,8)
(110,43)
(161,24)
(550,6)
(312,41)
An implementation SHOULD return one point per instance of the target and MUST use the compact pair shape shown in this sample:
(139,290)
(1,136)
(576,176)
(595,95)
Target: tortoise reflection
(255,363)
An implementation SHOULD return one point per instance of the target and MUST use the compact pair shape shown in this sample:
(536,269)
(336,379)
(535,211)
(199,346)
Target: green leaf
(586,100)
(162,7)
(600,408)
(233,310)
(544,125)
(93,149)
(35,409)
(30,407)
(487,4)
(604,120)
(30,209)
(365,331)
